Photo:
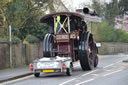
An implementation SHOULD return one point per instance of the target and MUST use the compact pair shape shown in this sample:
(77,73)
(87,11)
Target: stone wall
(4,54)
(18,58)
(113,48)
(22,54)
(33,51)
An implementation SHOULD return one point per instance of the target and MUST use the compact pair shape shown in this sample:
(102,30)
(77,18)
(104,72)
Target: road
(110,71)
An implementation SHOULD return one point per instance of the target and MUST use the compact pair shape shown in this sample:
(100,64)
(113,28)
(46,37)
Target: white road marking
(113,72)
(89,73)
(84,82)
(75,78)
(108,70)
(95,74)
(108,66)
(118,61)
(112,64)
(67,81)
(12,81)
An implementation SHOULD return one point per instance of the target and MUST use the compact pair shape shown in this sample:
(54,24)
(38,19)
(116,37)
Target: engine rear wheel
(86,61)
(85,55)
(96,60)
(48,45)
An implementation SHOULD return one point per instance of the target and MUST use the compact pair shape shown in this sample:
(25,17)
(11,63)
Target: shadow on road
(76,71)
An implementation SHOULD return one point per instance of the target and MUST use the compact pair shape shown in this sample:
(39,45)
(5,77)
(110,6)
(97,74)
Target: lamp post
(10,42)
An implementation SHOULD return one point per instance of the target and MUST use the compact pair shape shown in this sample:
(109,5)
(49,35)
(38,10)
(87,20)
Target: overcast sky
(76,3)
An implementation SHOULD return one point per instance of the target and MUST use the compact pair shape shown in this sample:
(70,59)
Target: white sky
(76,3)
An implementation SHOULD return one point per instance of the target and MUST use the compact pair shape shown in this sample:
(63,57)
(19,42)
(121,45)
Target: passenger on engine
(58,25)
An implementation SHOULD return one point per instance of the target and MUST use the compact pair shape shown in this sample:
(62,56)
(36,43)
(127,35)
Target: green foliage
(31,39)
(122,36)
(98,7)
(3,19)
(4,2)
(123,6)
(111,11)
(24,17)
(15,40)
(3,37)
(40,31)
(107,33)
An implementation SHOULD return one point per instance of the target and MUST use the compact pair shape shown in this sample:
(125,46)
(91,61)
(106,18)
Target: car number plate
(48,70)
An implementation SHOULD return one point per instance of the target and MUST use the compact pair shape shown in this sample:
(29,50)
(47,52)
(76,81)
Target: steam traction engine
(68,41)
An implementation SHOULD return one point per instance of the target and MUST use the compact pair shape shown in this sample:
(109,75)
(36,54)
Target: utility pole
(10,42)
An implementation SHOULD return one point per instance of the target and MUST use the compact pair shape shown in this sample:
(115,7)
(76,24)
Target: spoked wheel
(36,74)
(69,71)
(48,45)
(96,61)
(85,55)
(91,61)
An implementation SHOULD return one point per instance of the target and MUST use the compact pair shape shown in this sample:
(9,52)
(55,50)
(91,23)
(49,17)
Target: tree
(3,18)
(98,7)
(111,11)
(24,16)
(123,6)
(105,32)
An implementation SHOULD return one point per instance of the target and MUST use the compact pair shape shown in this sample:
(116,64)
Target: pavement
(13,73)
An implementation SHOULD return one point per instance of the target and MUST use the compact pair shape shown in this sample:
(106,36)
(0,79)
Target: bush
(15,40)
(31,39)
(122,36)
(107,33)
(40,31)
